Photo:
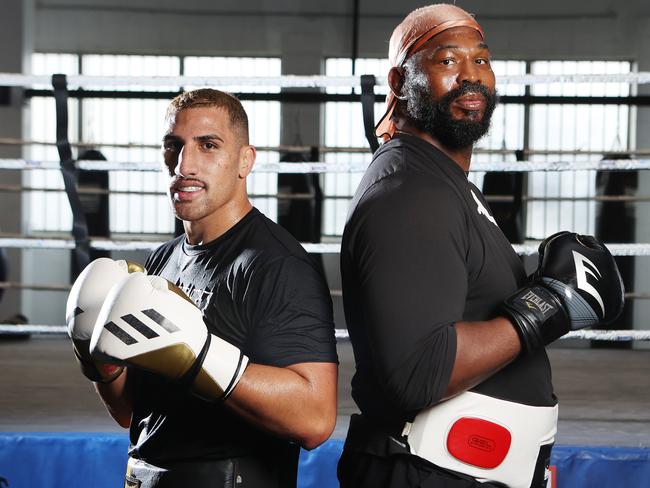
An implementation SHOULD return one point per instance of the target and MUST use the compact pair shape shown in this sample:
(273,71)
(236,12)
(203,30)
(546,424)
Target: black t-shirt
(420,252)
(259,290)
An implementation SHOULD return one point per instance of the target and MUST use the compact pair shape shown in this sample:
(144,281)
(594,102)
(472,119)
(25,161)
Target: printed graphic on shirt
(480,208)
(200,297)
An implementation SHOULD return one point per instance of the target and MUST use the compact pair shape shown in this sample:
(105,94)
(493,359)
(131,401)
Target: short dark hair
(209,97)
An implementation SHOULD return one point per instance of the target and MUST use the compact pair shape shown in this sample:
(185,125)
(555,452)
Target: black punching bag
(95,205)
(4,270)
(615,223)
(301,216)
(508,214)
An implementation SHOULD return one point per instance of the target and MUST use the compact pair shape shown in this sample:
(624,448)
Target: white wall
(606,29)
(16,39)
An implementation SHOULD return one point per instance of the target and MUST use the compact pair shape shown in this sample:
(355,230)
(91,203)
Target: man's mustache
(467,87)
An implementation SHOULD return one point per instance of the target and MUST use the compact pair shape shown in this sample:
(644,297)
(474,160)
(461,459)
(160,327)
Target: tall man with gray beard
(452,378)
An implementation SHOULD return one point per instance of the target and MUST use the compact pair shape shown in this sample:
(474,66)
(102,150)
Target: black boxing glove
(576,285)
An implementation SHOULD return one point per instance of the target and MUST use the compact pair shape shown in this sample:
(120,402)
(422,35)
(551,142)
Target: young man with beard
(452,378)
(225,346)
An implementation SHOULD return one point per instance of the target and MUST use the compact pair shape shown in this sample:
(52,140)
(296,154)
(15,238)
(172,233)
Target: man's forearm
(117,399)
(482,349)
(297,402)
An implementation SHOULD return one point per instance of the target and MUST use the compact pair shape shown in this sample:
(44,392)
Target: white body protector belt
(483,437)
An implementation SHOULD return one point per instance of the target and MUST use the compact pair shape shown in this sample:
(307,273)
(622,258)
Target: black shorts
(261,471)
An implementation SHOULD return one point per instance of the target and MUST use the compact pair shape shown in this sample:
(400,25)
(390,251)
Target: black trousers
(362,470)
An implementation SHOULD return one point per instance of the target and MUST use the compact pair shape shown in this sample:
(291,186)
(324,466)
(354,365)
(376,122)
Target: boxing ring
(54,432)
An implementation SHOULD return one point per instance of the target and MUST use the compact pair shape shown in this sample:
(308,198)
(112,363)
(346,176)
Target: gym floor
(604,393)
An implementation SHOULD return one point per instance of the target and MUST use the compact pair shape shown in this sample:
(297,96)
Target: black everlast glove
(576,285)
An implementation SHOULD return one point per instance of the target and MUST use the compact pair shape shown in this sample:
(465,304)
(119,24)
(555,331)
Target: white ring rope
(342,334)
(333,291)
(112,245)
(359,167)
(12,141)
(633,249)
(33,329)
(600,335)
(291,81)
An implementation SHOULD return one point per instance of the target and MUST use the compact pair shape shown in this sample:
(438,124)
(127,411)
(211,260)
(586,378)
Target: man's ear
(396,81)
(247,155)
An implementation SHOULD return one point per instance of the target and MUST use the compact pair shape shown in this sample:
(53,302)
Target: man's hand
(576,285)
(84,302)
(148,323)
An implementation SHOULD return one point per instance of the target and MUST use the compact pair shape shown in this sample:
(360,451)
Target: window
(263,117)
(131,121)
(555,200)
(506,133)
(343,128)
(593,129)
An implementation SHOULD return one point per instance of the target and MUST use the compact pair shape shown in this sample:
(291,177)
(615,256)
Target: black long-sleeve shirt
(420,252)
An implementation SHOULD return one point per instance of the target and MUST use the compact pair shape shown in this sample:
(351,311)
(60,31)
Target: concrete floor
(604,393)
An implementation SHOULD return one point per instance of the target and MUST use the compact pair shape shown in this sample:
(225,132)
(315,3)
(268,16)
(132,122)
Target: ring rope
(98,191)
(342,334)
(9,141)
(292,81)
(633,249)
(598,335)
(359,167)
(33,286)
(113,245)
(333,292)
(311,196)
